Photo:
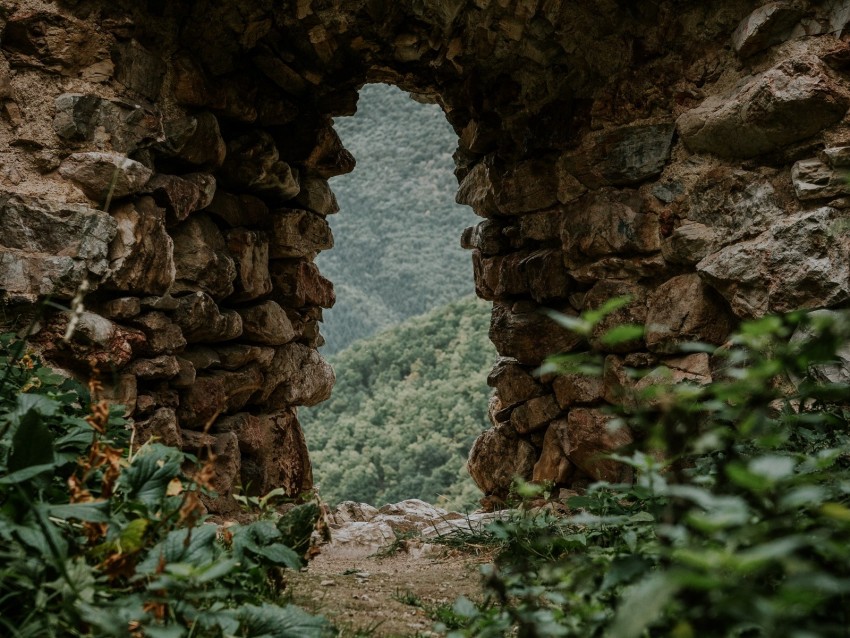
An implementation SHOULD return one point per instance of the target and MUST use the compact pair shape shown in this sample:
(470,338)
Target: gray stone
(839,370)
(813,179)
(534,414)
(141,257)
(266,324)
(238,210)
(613,267)
(735,204)
(623,156)
(217,393)
(201,258)
(250,251)
(50,247)
(253,164)
(608,223)
(186,374)
(487,238)
(120,308)
(203,357)
(476,190)
(161,427)
(593,436)
(783,105)
(298,375)
(328,157)
(163,335)
(633,313)
(553,466)
(238,355)
(161,367)
(669,191)
(124,126)
(497,457)
(298,283)
(542,227)
(765,27)
(194,142)
(102,176)
(316,195)
(837,156)
(571,389)
(179,196)
(689,243)
(513,382)
(802,262)
(522,332)
(201,321)
(682,310)
(526,187)
(298,233)
(569,188)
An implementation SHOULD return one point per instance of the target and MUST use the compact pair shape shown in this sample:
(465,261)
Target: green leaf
(26,474)
(836,511)
(593,317)
(89,512)
(147,477)
(195,546)
(217,570)
(280,555)
(32,443)
(642,605)
(772,467)
(464,607)
(622,334)
(281,622)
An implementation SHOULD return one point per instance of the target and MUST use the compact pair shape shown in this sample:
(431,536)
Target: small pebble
(328,583)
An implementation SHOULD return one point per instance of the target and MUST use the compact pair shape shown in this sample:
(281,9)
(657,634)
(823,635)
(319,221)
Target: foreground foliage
(406,407)
(738,524)
(95,541)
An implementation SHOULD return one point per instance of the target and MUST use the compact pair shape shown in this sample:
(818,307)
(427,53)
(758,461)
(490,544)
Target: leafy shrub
(738,522)
(98,542)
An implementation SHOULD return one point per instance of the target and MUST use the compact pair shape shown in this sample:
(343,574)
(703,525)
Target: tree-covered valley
(407,340)
(407,405)
(397,247)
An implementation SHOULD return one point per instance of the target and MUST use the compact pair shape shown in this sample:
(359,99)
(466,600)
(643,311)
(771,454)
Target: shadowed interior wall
(175,156)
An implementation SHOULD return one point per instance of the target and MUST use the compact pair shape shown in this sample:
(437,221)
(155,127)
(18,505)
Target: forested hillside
(397,251)
(406,407)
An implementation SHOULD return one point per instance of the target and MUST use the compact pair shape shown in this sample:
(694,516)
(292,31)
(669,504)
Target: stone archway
(691,156)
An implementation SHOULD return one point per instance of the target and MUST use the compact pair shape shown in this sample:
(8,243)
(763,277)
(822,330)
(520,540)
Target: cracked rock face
(692,156)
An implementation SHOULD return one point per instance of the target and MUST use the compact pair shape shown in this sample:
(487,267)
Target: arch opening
(407,341)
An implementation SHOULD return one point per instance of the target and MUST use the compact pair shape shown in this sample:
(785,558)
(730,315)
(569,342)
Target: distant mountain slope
(407,405)
(397,250)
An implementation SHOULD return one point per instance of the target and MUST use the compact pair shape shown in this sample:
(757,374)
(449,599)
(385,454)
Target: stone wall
(174,156)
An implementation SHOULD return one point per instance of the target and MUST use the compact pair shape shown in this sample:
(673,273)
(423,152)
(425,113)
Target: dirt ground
(388,596)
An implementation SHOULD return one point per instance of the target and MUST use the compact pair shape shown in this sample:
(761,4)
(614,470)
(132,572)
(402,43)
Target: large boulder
(497,457)
(201,258)
(685,309)
(49,248)
(786,104)
(141,257)
(802,262)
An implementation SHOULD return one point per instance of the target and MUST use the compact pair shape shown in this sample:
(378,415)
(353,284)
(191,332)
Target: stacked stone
(702,217)
(175,156)
(193,252)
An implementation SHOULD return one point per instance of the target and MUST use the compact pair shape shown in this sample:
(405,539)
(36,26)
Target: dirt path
(391,596)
